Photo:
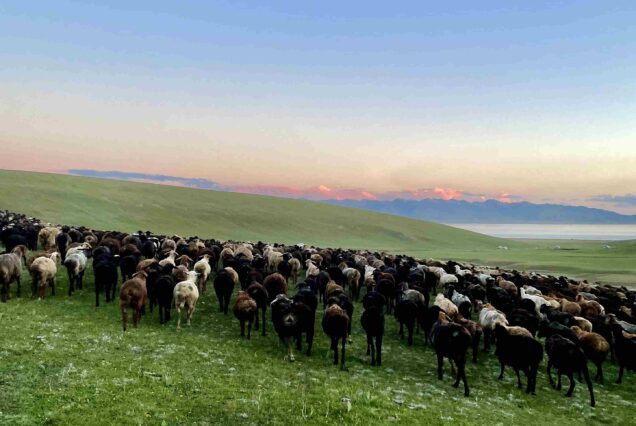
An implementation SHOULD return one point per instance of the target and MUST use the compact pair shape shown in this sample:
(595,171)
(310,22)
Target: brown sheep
(275,284)
(133,295)
(571,308)
(590,308)
(595,348)
(333,290)
(144,264)
(509,286)
(245,311)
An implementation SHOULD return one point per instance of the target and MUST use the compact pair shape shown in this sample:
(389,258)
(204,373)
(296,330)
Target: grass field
(63,361)
(129,206)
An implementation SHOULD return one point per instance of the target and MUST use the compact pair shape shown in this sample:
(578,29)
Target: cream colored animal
(203,268)
(186,295)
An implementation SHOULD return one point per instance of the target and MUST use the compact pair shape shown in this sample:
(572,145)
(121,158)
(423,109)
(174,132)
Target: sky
(466,100)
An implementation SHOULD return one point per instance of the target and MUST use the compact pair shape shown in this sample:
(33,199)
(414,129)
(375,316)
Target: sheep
(312,270)
(387,288)
(595,348)
(133,296)
(223,287)
(489,317)
(168,244)
(568,358)
(62,240)
(144,264)
(532,291)
(583,324)
(407,313)
(456,297)
(245,311)
(539,301)
(75,264)
(170,259)
(451,341)
(260,295)
(335,324)
(527,319)
(179,273)
(273,259)
(571,308)
(11,269)
(46,237)
(184,260)
(286,322)
(475,330)
(625,350)
(305,303)
(372,321)
(521,352)
(203,268)
(332,290)
(590,308)
(275,284)
(43,271)
(295,269)
(628,327)
(509,286)
(448,279)
(447,306)
(186,295)
(352,276)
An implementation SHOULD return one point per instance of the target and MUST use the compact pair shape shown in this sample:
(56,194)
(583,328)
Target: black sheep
(526,319)
(522,353)
(451,341)
(164,290)
(625,351)
(286,322)
(105,271)
(223,287)
(259,294)
(305,304)
(568,358)
(407,313)
(373,324)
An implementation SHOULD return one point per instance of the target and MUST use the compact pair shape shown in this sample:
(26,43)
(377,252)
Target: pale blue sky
(535,99)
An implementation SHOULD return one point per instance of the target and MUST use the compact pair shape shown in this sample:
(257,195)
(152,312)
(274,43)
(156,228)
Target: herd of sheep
(580,321)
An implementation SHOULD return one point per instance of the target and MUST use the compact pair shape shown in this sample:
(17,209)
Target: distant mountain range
(490,211)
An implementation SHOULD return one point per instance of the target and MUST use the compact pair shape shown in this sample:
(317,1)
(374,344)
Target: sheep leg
(620,375)
(290,352)
(124,317)
(463,373)
(42,290)
(114,289)
(80,280)
(410,341)
(370,346)
(334,347)
(264,332)
(572,382)
(166,315)
(378,349)
(599,372)
(5,290)
(342,361)
(242,322)
(34,286)
(249,329)
(487,334)
(53,286)
(475,347)
(178,317)
(440,364)
(559,376)
(190,312)
(519,385)
(18,281)
(310,340)
(586,374)
(401,332)
(549,373)
(501,373)
(71,284)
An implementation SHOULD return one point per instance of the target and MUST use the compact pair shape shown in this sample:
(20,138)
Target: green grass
(63,362)
(129,206)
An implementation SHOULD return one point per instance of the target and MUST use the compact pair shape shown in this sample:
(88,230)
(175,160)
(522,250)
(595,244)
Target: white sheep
(203,268)
(447,279)
(43,270)
(186,295)
(169,260)
(538,301)
(75,264)
(312,270)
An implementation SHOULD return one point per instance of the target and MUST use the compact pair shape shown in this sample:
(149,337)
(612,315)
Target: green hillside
(130,206)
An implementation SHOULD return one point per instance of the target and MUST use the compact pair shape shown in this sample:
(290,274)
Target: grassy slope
(131,206)
(62,361)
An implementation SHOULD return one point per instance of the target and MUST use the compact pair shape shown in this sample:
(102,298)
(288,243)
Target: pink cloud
(504,197)
(448,193)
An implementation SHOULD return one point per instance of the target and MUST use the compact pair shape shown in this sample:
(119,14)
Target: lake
(553,231)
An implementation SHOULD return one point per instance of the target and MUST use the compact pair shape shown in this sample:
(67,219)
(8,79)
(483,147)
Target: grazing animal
(186,295)
(625,349)
(335,324)
(568,358)
(11,269)
(223,287)
(285,320)
(275,284)
(521,352)
(475,330)
(203,268)
(43,271)
(447,306)
(133,295)
(451,341)
(245,310)
(595,347)
(489,317)
(75,264)
(372,321)
(260,295)
(105,271)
